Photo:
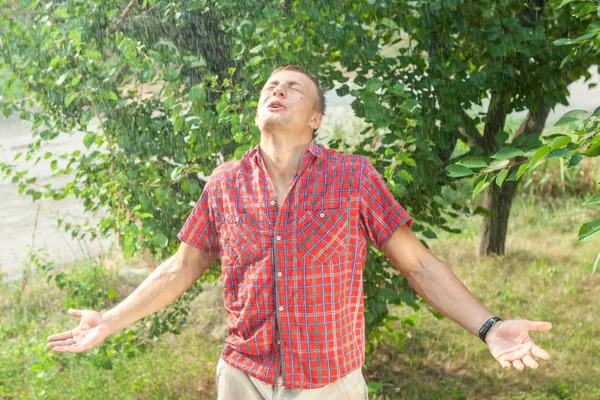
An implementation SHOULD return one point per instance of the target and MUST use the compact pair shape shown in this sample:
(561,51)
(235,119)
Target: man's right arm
(165,284)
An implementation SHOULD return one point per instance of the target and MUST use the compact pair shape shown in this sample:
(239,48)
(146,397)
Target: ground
(545,275)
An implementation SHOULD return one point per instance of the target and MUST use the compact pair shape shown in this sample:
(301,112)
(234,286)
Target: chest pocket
(322,235)
(242,238)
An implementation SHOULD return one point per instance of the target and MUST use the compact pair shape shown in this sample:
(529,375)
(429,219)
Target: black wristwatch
(487,325)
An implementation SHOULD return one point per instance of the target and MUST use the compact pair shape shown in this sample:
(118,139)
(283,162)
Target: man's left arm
(508,341)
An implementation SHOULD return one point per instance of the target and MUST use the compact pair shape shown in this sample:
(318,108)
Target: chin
(270,124)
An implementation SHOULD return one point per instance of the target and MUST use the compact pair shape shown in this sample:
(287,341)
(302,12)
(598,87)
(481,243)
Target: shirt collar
(314,148)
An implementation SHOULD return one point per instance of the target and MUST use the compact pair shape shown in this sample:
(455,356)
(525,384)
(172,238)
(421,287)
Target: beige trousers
(234,384)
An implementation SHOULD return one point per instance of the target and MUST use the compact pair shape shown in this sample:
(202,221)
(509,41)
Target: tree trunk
(498,201)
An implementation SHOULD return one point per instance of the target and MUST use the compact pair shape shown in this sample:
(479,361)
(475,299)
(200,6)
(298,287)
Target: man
(291,222)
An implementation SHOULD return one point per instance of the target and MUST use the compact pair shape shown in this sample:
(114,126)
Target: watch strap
(487,325)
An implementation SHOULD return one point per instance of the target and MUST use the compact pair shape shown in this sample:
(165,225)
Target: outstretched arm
(434,281)
(166,283)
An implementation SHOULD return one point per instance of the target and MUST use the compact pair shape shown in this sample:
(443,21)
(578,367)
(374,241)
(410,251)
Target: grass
(545,275)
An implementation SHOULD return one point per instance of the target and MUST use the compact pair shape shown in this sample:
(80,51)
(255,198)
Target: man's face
(288,102)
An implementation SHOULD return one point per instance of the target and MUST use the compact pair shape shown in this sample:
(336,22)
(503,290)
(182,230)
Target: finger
(505,364)
(518,365)
(539,352)
(61,336)
(539,326)
(530,362)
(67,342)
(75,313)
(77,348)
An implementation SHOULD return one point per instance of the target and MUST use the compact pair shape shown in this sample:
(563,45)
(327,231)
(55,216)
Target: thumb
(75,313)
(539,326)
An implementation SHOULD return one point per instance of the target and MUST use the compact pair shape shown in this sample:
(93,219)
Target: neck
(282,155)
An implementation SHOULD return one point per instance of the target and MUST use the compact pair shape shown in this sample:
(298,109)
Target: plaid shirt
(292,279)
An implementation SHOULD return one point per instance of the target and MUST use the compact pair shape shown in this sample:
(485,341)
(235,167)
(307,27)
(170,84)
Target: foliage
(145,156)
(161,93)
(570,148)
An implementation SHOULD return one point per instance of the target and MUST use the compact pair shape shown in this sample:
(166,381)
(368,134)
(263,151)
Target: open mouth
(275,105)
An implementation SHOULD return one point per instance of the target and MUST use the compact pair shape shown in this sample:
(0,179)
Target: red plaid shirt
(292,279)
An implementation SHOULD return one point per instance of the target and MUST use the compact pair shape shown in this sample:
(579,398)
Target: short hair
(320,106)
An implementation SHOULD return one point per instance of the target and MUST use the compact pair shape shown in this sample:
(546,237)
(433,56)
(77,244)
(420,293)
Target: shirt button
(280,274)
(278,238)
(280,308)
(279,342)
(272,202)
(322,215)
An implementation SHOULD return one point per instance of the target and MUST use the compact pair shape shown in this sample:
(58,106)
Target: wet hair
(320,106)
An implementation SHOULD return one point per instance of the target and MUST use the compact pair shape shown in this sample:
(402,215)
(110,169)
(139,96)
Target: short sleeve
(380,214)
(199,229)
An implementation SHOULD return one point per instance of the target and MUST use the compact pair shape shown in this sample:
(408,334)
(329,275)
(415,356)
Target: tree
(418,68)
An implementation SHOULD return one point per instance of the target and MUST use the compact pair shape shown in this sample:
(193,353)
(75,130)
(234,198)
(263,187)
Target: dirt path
(25,223)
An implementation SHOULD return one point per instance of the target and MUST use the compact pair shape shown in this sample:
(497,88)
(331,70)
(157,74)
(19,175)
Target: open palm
(92,330)
(510,343)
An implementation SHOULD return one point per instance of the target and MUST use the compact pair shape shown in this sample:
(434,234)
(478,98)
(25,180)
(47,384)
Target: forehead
(290,76)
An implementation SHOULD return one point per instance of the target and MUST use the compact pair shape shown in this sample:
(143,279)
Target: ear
(315,121)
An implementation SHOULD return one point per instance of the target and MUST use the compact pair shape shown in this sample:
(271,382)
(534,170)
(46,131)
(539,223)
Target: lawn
(545,275)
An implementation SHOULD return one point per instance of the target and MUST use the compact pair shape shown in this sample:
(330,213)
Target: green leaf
(176,173)
(255,61)
(539,154)
(495,165)
(564,3)
(112,96)
(508,153)
(458,171)
(405,175)
(559,153)
(61,79)
(472,162)
(89,139)
(562,42)
(70,99)
(429,234)
(483,211)
(373,387)
(522,169)
(560,141)
(595,199)
(479,187)
(373,84)
(501,177)
(573,161)
(239,152)
(593,151)
(75,81)
(197,94)
(160,240)
(571,116)
(589,230)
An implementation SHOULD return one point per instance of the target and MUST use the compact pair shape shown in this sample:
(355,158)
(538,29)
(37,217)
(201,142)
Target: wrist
(111,319)
(487,327)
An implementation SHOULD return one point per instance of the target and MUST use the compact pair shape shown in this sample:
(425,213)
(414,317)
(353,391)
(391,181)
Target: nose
(280,91)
